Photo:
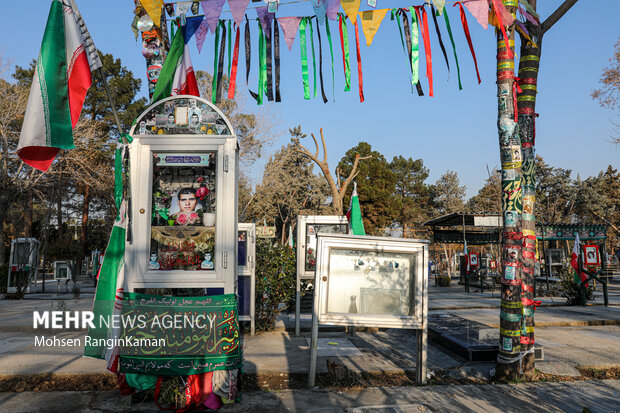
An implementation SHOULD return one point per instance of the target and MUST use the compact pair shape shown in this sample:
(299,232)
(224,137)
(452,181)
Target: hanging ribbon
(466,30)
(233,70)
(220,66)
(313,58)
(344,42)
(498,15)
(269,65)
(331,52)
(414,54)
(395,13)
(248,56)
(304,57)
(408,35)
(318,32)
(458,69)
(359,62)
(262,74)
(215,60)
(427,47)
(276,57)
(443,48)
(229,48)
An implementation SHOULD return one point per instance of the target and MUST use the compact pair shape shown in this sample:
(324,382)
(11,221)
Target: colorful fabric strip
(509,333)
(331,52)
(498,14)
(415,49)
(248,58)
(262,58)
(467,35)
(527,340)
(458,69)
(427,48)
(269,64)
(276,57)
(313,58)
(359,63)
(511,304)
(344,42)
(510,317)
(318,32)
(233,71)
(443,48)
(215,60)
(229,48)
(304,57)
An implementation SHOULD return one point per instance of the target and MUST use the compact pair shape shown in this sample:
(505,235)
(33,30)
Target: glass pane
(242,249)
(183,215)
(244,295)
(368,282)
(182,116)
(21,253)
(311,231)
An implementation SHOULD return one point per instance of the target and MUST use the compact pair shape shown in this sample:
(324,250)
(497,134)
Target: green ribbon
(118,169)
(510,317)
(304,57)
(262,52)
(331,51)
(163,212)
(214,81)
(415,50)
(347,60)
(313,59)
(229,49)
(402,40)
(528,312)
(458,70)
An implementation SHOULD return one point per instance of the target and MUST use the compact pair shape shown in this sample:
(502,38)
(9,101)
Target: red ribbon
(526,287)
(359,63)
(527,340)
(529,254)
(427,47)
(233,70)
(466,30)
(501,25)
(513,235)
(527,270)
(530,302)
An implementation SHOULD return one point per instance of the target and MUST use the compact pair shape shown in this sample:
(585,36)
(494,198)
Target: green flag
(354,214)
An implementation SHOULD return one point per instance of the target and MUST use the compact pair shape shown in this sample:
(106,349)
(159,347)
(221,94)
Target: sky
(454,130)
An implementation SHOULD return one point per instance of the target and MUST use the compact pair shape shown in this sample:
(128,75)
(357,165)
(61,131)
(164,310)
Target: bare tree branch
(557,15)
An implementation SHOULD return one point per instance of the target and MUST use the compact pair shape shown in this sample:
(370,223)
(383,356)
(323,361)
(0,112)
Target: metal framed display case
(183,179)
(308,227)
(246,267)
(62,270)
(372,282)
(24,256)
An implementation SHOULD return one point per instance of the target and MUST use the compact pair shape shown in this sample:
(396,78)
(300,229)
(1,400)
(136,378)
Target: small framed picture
(493,264)
(473,259)
(590,254)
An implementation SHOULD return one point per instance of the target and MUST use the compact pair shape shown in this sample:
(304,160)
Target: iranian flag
(354,214)
(177,75)
(109,296)
(61,79)
(574,262)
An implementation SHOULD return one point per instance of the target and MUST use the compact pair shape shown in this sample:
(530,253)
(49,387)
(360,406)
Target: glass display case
(23,261)
(308,227)
(371,281)
(246,282)
(183,179)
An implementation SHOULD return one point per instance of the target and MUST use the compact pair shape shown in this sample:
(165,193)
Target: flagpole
(125,142)
(107,92)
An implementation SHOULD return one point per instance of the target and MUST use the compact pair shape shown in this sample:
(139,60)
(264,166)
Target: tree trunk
(83,232)
(59,211)
(529,63)
(512,208)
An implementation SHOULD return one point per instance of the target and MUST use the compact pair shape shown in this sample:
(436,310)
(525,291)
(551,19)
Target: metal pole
(107,92)
(314,336)
(297,305)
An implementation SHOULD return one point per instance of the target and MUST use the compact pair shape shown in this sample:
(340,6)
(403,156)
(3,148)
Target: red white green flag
(61,79)
(574,262)
(177,74)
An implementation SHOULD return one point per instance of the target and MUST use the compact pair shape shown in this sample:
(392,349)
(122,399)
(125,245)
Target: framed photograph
(590,255)
(473,260)
(493,264)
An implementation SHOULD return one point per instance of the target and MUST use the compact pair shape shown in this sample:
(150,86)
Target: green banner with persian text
(179,335)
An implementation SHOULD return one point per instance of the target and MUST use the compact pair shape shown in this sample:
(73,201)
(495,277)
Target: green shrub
(443,280)
(276,276)
(572,290)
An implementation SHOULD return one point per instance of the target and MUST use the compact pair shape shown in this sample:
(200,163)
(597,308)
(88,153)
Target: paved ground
(598,396)
(571,337)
